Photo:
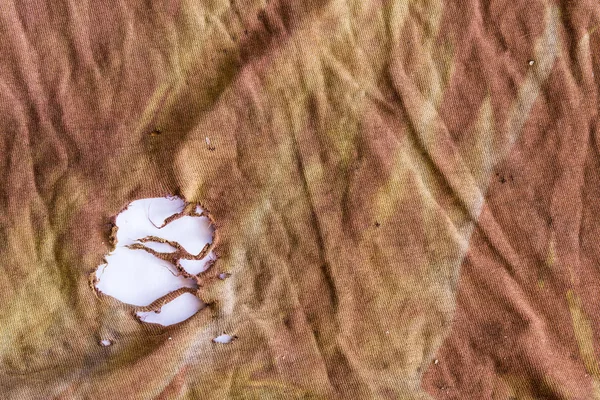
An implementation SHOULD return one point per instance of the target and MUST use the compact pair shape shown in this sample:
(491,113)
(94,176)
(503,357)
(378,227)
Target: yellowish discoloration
(541,283)
(480,149)
(516,387)
(546,51)
(584,333)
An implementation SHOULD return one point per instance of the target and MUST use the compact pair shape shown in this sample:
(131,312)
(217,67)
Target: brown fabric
(361,157)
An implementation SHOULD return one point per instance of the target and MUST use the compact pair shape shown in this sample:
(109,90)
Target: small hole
(224,339)
(209,144)
(105,342)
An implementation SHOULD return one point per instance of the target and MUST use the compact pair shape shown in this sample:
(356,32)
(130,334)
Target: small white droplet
(531,62)
(105,342)
(436,361)
(170,338)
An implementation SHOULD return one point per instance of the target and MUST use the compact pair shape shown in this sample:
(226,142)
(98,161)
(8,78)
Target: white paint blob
(224,339)
(137,277)
(178,310)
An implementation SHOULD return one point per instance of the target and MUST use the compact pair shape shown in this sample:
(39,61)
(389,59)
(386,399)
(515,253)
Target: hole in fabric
(197,266)
(209,145)
(105,342)
(148,217)
(162,245)
(224,339)
(174,312)
(138,278)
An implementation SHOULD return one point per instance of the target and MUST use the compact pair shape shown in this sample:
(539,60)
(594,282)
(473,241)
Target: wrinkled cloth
(405,194)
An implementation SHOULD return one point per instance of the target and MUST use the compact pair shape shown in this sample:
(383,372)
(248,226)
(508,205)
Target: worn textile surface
(406,196)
